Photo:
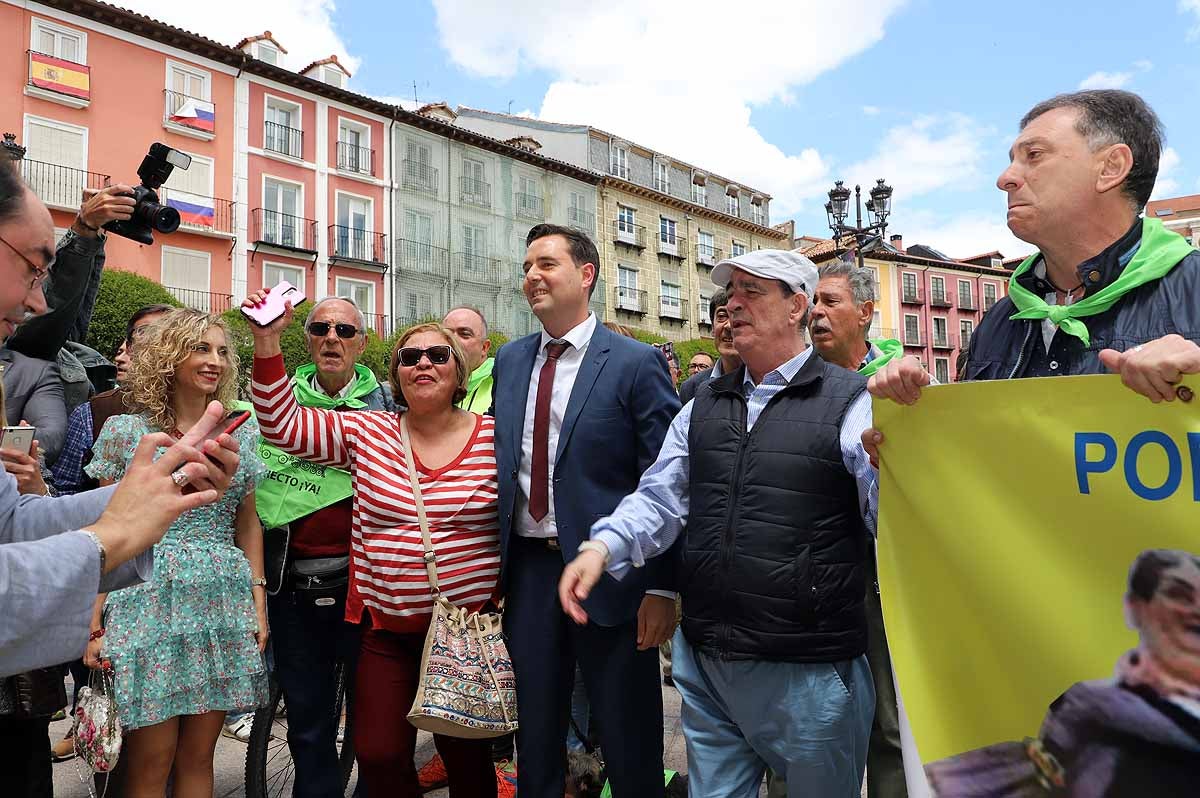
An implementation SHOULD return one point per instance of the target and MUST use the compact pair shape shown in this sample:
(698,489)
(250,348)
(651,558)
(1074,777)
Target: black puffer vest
(1004,349)
(775,549)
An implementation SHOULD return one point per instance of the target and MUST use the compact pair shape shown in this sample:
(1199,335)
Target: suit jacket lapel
(589,370)
(518,390)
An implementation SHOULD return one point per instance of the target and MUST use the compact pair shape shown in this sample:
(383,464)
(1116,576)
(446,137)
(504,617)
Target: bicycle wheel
(270,772)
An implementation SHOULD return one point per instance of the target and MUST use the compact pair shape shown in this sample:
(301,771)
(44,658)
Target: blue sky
(786,95)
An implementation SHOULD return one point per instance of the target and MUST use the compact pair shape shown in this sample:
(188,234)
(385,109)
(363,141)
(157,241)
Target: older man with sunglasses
(307,516)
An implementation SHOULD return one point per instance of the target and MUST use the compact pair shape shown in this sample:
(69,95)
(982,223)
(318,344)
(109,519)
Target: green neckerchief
(479,388)
(307,396)
(1159,252)
(889,349)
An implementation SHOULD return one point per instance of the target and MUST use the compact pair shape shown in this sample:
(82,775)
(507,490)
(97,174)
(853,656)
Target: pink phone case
(273,307)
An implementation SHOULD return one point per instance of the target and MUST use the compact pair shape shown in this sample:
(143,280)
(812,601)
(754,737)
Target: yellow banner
(1011,514)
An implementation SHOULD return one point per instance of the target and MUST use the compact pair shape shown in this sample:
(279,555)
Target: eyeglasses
(321,329)
(411,355)
(39,274)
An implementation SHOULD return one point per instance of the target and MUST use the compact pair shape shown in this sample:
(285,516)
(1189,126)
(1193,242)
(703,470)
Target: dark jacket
(687,391)
(71,296)
(616,419)
(775,550)
(1002,348)
(34,393)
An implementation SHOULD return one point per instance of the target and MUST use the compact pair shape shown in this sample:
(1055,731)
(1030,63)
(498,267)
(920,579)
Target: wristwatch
(598,547)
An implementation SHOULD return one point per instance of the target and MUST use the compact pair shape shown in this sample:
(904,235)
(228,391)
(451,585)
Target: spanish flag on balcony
(64,77)
(198,114)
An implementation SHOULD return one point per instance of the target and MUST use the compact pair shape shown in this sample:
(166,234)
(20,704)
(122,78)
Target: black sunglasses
(411,355)
(321,329)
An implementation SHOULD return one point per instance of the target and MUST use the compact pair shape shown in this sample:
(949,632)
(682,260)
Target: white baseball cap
(797,271)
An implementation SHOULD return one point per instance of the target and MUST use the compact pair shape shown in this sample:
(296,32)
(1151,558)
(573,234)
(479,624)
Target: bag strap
(410,464)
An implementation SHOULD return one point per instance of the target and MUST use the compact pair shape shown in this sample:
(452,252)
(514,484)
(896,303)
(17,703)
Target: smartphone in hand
(273,307)
(18,438)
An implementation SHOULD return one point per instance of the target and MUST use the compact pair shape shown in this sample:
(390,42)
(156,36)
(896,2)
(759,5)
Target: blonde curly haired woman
(187,646)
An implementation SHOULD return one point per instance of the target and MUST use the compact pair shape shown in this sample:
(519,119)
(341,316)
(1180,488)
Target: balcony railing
(283,230)
(628,233)
(420,175)
(190,112)
(353,243)
(630,300)
(912,295)
(207,301)
(59,185)
(475,192)
(203,214)
(423,258)
(707,255)
(669,245)
(61,76)
(943,341)
(672,307)
(939,299)
(478,269)
(284,140)
(582,220)
(877,333)
(530,206)
(352,158)
(380,324)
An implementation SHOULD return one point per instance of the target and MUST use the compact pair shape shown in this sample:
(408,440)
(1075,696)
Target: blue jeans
(307,642)
(808,722)
(580,710)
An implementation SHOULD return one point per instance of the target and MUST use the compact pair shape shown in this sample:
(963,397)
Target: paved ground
(231,757)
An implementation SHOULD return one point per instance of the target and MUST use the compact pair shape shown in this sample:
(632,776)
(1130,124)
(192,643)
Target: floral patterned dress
(183,643)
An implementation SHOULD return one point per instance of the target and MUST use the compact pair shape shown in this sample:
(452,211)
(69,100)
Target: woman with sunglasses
(389,593)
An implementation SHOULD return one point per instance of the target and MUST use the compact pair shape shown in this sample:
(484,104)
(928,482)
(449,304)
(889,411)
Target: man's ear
(1117,163)
(487,346)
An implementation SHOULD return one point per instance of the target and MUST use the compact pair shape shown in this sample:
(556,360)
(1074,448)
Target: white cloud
(1144,65)
(962,235)
(1193,7)
(1166,185)
(304,27)
(407,103)
(634,68)
(930,153)
(871,110)
(1106,80)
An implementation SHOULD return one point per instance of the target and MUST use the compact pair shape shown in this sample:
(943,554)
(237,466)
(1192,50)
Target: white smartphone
(18,438)
(273,306)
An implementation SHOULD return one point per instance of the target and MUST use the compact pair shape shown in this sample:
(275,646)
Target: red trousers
(385,741)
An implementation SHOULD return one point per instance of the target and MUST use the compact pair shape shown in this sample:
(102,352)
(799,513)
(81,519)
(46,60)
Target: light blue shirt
(650,519)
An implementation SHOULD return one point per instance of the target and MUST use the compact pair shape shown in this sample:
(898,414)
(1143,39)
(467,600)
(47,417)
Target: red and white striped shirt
(387,574)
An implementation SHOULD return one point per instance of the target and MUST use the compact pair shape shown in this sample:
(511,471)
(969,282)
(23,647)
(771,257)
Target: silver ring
(180,478)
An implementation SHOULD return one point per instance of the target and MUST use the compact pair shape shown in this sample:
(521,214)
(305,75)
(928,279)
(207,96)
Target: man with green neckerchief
(842,311)
(1108,290)
(305,508)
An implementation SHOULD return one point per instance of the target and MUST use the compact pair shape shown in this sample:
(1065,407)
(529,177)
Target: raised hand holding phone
(266,336)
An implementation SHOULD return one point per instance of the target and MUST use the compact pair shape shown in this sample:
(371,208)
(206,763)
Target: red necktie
(539,501)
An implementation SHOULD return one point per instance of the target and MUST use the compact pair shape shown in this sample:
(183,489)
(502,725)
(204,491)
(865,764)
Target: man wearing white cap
(764,476)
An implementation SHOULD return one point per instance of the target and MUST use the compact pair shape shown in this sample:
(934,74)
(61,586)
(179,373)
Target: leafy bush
(120,295)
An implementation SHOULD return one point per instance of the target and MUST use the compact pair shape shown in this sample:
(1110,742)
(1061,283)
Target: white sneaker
(240,729)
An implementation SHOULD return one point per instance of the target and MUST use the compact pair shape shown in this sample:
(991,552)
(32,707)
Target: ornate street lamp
(879,206)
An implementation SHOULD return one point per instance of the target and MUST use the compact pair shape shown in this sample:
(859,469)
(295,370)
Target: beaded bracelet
(96,635)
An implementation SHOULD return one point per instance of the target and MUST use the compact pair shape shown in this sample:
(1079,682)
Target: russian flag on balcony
(198,114)
(193,212)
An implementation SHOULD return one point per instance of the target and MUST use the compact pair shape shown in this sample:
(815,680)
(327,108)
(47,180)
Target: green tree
(120,295)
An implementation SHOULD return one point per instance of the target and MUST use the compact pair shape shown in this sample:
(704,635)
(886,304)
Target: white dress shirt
(564,380)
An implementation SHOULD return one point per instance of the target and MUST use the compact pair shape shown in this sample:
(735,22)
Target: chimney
(897,241)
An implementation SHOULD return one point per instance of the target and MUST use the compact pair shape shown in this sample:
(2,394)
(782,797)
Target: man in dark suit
(580,413)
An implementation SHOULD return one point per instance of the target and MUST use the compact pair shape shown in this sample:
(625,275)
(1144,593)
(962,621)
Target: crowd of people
(715,534)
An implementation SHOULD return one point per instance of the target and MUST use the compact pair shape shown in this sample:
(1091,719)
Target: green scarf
(479,388)
(1159,252)
(889,349)
(294,487)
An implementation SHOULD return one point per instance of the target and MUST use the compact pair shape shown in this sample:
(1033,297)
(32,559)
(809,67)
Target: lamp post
(879,206)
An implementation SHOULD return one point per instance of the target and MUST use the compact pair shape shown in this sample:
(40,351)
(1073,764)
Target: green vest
(294,487)
(479,388)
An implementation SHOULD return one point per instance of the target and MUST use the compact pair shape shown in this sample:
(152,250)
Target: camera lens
(164,219)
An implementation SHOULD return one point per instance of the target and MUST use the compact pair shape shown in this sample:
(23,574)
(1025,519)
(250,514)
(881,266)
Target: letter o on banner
(1174,465)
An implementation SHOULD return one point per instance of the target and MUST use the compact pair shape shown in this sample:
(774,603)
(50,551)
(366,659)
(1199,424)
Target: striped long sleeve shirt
(387,574)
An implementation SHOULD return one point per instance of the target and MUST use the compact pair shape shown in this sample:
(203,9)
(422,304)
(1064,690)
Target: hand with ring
(1155,368)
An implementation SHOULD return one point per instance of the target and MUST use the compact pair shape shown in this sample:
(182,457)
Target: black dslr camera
(148,213)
